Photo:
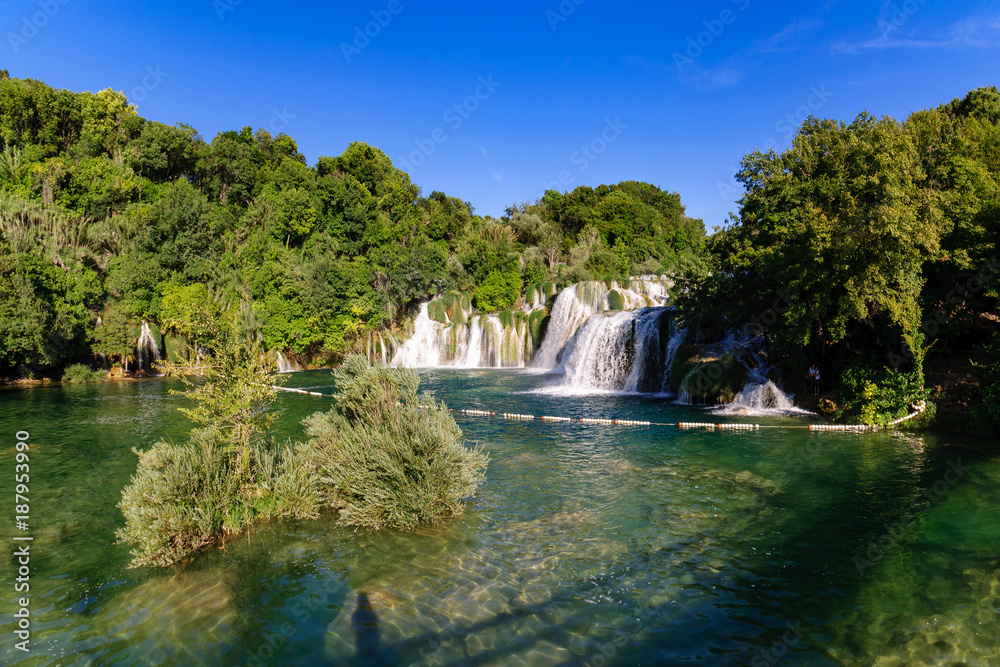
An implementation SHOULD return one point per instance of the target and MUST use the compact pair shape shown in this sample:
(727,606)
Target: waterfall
(147,350)
(578,303)
(760,398)
(621,351)
(474,347)
(286,366)
(678,336)
(475,341)
(740,357)
(422,348)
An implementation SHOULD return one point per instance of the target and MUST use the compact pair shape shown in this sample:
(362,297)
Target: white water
(286,366)
(761,398)
(760,395)
(146,349)
(422,349)
(578,303)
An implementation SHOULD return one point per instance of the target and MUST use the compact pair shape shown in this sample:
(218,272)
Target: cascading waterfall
(147,350)
(623,351)
(678,336)
(284,365)
(484,341)
(422,349)
(447,332)
(760,394)
(578,303)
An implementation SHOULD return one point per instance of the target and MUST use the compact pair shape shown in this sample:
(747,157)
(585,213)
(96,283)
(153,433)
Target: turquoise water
(588,545)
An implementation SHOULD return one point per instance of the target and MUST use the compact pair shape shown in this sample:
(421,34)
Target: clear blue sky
(627,81)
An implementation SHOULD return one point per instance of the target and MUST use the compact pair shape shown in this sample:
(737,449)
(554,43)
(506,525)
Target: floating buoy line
(917,407)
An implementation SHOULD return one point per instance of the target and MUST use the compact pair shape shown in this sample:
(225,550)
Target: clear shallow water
(588,545)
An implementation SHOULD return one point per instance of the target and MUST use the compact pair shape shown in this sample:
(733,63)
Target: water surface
(588,545)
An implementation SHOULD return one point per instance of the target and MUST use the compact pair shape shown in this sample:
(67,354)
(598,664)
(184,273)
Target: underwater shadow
(364,623)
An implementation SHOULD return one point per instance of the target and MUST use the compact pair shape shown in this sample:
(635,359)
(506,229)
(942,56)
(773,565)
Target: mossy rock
(684,361)
(538,322)
(616,300)
(154,331)
(506,318)
(715,380)
(437,311)
(175,349)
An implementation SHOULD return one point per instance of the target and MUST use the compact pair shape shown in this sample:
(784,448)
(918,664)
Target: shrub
(80,373)
(616,301)
(985,417)
(499,291)
(228,475)
(879,395)
(184,498)
(384,462)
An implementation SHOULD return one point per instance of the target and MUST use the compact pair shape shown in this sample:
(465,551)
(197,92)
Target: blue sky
(493,104)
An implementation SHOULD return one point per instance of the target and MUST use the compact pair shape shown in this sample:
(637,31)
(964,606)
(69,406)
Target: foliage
(384,461)
(499,291)
(229,475)
(82,373)
(875,235)
(872,395)
(985,417)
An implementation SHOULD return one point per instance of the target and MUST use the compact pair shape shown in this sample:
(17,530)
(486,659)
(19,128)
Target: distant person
(814,379)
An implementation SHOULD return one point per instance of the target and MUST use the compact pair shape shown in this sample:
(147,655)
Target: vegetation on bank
(867,244)
(374,458)
(108,219)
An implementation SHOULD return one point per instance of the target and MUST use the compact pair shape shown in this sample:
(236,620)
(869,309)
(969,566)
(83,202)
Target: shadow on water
(364,623)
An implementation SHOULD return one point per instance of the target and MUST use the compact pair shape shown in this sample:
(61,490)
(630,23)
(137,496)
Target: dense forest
(867,247)
(108,220)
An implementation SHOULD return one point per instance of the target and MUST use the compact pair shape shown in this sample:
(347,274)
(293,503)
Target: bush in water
(383,461)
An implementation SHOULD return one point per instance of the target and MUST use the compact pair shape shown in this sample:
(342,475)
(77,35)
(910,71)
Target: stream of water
(589,544)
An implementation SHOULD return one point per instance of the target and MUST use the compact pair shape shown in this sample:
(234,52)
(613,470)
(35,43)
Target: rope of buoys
(842,427)
(919,408)
(296,391)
